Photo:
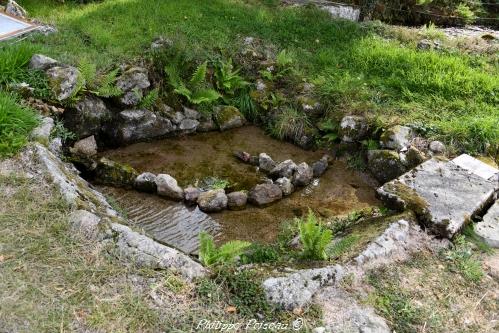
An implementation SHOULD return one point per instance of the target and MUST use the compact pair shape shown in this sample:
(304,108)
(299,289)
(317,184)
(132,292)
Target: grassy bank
(446,95)
(52,280)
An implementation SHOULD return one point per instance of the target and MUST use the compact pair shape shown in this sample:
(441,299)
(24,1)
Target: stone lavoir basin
(193,159)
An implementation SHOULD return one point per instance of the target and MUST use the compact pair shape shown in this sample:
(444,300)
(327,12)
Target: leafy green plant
(196,90)
(283,67)
(225,254)
(228,80)
(37,80)
(60,131)
(220,184)
(150,99)
(16,123)
(314,237)
(331,129)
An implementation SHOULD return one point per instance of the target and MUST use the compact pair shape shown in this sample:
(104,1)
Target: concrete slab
(488,229)
(11,26)
(475,166)
(443,195)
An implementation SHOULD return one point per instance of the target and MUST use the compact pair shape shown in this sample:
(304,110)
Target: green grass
(13,61)
(16,122)
(454,96)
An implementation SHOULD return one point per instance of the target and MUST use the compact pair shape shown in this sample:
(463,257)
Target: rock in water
(284,169)
(303,175)
(265,162)
(237,200)
(146,182)
(113,173)
(167,187)
(228,117)
(285,185)
(63,81)
(191,195)
(353,128)
(320,166)
(85,148)
(212,201)
(265,194)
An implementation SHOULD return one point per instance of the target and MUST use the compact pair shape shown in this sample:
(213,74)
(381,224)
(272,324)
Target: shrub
(225,254)
(16,123)
(314,237)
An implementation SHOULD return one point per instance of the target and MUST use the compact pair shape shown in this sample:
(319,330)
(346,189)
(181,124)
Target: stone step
(477,167)
(443,194)
(488,228)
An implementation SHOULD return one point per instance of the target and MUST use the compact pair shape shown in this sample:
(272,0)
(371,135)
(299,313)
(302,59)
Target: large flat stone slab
(488,229)
(443,195)
(476,167)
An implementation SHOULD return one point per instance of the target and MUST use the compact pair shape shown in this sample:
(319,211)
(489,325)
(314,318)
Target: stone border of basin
(284,178)
(122,120)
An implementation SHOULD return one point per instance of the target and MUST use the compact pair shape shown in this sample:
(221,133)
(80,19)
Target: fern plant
(150,99)
(227,79)
(314,237)
(196,90)
(90,81)
(225,254)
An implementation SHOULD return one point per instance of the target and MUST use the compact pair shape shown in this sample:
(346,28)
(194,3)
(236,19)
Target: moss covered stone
(113,173)
(385,165)
(228,117)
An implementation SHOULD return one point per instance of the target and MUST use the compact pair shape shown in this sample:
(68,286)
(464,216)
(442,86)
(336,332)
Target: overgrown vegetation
(16,123)
(354,70)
